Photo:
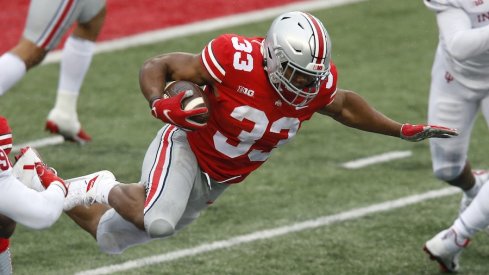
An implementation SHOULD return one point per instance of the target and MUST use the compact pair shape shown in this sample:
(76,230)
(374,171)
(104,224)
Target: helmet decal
(320,43)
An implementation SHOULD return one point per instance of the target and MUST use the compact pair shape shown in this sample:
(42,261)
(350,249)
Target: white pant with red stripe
(176,193)
(48,21)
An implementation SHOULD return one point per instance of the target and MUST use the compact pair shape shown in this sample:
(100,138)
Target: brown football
(197,100)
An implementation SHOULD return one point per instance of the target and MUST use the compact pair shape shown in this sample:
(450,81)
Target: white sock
(75,61)
(104,190)
(476,216)
(12,69)
(66,104)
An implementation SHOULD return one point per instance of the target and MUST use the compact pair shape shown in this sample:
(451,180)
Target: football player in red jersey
(260,91)
(18,203)
(47,22)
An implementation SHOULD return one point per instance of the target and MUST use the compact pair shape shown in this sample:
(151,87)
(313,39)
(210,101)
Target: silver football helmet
(297,45)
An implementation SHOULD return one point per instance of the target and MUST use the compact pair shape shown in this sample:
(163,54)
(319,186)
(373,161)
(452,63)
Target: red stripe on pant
(158,170)
(58,24)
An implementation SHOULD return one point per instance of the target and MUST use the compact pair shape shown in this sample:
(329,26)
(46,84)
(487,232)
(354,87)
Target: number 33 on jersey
(248,118)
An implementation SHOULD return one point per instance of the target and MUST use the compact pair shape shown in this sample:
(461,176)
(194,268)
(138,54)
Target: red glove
(47,176)
(419,132)
(169,110)
(5,135)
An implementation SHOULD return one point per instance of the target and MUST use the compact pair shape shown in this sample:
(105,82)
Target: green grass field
(383,50)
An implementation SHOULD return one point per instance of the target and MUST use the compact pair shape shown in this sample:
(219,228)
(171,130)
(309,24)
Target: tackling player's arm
(352,110)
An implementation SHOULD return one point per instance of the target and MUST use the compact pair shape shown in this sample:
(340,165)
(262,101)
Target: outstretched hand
(48,177)
(421,131)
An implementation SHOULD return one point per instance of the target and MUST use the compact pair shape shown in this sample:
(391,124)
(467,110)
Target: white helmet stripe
(320,50)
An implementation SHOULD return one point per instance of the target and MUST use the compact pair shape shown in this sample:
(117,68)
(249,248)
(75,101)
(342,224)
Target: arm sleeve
(461,40)
(36,210)
(215,57)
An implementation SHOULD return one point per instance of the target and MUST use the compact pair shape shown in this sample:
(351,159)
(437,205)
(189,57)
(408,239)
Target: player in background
(36,210)
(260,92)
(47,22)
(459,90)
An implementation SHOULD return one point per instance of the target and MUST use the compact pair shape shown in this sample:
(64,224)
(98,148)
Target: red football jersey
(247,119)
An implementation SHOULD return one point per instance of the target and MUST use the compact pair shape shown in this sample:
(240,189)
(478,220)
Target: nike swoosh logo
(165,113)
(91,183)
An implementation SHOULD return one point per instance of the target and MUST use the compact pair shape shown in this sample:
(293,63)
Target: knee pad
(448,173)
(160,228)
(115,234)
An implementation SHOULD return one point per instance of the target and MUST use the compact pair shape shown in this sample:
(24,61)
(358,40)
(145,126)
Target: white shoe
(481,177)
(67,125)
(24,169)
(445,248)
(85,190)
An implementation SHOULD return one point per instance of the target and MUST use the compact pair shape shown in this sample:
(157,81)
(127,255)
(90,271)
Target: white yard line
(274,232)
(38,143)
(385,157)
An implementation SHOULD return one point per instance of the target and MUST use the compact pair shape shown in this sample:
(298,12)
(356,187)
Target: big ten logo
(246,91)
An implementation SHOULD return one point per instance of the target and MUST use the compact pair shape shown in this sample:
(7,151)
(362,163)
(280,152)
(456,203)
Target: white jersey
(33,209)
(464,39)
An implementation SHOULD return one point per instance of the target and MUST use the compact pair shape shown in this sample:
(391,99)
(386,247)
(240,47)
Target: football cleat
(67,126)
(481,177)
(85,190)
(445,248)
(24,168)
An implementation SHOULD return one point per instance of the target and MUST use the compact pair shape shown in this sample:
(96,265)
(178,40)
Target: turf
(383,50)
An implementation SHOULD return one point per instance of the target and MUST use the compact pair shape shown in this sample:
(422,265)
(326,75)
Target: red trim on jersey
(158,170)
(321,43)
(4,244)
(58,24)
(209,64)
(6,142)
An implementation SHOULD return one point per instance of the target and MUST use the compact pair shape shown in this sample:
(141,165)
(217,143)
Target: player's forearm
(39,209)
(152,78)
(461,40)
(357,113)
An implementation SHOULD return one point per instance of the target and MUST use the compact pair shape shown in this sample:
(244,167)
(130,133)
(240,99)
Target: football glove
(420,132)
(169,110)
(48,177)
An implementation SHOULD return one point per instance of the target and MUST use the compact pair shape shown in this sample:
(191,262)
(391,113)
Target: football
(197,100)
